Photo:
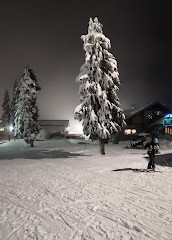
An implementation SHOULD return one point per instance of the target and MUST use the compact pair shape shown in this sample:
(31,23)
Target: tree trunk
(102,146)
(31,143)
(115,139)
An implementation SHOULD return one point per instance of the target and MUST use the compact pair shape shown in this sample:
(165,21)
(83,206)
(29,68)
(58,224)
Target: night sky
(45,34)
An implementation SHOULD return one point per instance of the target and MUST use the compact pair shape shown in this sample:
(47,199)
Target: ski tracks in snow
(49,201)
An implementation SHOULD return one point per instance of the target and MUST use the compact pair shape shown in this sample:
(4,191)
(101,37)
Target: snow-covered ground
(60,190)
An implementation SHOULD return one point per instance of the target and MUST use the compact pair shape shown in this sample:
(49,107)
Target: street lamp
(10,129)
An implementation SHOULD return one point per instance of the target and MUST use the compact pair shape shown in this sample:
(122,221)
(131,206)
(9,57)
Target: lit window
(1,129)
(133,131)
(168,130)
(129,131)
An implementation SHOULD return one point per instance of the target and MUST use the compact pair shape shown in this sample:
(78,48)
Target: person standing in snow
(153,148)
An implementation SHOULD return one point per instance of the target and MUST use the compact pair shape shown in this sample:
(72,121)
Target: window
(168,130)
(167,121)
(127,131)
(149,114)
(1,129)
(133,131)
(130,131)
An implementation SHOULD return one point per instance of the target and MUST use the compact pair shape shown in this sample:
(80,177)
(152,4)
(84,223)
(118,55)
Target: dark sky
(45,34)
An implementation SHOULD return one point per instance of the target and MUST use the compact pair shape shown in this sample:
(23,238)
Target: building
(167,123)
(163,126)
(2,131)
(51,128)
(148,119)
(5,132)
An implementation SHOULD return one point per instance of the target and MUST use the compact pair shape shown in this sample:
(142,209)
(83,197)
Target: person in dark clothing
(153,148)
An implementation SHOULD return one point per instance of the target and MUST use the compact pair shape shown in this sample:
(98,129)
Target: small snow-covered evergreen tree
(26,111)
(6,111)
(99,108)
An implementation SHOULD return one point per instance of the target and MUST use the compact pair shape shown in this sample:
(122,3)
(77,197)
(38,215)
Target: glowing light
(10,128)
(133,131)
(130,131)
(127,131)
(169,115)
(79,128)
(168,130)
(75,128)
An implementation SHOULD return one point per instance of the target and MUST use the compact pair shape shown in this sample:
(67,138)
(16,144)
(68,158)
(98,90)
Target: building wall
(50,131)
(6,134)
(51,128)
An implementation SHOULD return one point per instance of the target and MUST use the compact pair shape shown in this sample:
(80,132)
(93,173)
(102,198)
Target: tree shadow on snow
(33,153)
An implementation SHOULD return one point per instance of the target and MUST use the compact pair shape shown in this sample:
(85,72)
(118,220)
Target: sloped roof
(131,112)
(53,122)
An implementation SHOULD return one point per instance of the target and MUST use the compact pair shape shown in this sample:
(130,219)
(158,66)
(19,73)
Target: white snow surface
(59,190)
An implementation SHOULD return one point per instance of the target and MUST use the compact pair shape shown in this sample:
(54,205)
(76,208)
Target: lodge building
(153,118)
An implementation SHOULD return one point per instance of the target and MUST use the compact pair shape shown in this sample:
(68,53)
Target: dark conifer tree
(13,102)
(6,112)
(26,111)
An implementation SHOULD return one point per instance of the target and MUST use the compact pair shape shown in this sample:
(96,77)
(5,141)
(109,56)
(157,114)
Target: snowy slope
(58,190)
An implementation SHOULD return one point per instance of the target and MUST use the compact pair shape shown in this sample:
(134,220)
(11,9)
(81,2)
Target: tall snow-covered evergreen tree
(13,102)
(99,108)
(26,111)
(6,111)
